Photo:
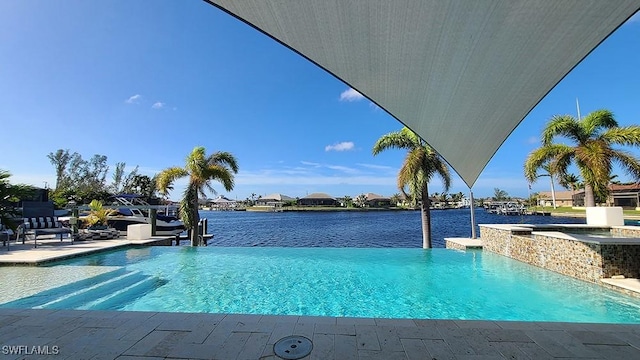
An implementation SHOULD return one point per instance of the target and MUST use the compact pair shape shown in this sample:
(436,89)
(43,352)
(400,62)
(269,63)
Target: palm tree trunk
(553,192)
(195,234)
(589,199)
(426,220)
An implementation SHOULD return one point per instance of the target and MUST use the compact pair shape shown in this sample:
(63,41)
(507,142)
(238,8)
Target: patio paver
(152,335)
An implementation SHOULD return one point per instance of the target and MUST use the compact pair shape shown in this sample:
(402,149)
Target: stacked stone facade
(454,245)
(587,260)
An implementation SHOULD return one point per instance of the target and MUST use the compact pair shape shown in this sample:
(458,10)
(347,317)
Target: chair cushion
(44,222)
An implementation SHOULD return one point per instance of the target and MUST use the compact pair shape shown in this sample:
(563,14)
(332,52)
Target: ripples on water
(400,229)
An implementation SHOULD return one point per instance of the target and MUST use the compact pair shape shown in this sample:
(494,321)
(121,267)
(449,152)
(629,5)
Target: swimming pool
(356,282)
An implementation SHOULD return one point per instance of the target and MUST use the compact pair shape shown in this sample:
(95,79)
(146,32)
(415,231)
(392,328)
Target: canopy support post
(473,216)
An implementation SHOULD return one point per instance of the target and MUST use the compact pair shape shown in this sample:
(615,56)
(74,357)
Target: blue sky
(144,82)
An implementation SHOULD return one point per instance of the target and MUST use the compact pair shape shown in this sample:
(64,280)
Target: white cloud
(351,95)
(318,167)
(376,167)
(310,163)
(343,146)
(344,169)
(295,171)
(157,105)
(133,99)
(533,140)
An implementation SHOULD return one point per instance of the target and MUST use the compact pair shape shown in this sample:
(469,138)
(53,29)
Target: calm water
(351,229)
(360,282)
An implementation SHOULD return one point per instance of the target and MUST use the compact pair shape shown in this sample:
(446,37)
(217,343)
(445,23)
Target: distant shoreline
(325,209)
(578,215)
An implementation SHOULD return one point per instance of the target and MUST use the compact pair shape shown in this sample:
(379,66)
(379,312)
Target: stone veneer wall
(457,246)
(453,245)
(586,261)
(626,231)
(621,260)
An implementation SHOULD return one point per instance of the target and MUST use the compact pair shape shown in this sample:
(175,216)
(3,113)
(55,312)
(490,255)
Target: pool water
(356,282)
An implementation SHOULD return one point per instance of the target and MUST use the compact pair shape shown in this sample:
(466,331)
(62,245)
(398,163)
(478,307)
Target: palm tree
(500,195)
(419,166)
(10,194)
(612,180)
(593,154)
(548,172)
(533,199)
(348,202)
(395,199)
(201,169)
(570,182)
(444,198)
(361,200)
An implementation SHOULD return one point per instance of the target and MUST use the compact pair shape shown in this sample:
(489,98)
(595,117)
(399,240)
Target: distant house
(435,203)
(273,199)
(375,200)
(318,199)
(403,201)
(463,203)
(222,203)
(563,198)
(624,195)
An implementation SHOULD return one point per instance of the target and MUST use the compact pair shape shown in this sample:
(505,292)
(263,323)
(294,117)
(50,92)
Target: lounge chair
(38,219)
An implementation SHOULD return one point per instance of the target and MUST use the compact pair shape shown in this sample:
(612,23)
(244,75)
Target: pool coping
(462,243)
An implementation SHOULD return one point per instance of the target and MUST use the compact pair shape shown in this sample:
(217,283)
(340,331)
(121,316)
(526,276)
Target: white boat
(504,208)
(493,207)
(132,209)
(511,208)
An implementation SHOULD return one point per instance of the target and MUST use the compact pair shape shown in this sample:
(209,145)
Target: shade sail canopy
(461,74)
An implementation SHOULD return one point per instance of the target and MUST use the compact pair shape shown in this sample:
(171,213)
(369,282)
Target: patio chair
(39,219)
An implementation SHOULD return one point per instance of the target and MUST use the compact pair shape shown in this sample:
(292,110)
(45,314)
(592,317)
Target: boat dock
(539,213)
(206,237)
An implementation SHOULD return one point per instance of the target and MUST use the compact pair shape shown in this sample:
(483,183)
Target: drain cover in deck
(293,347)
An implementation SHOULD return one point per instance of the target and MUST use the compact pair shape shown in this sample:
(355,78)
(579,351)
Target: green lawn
(568,210)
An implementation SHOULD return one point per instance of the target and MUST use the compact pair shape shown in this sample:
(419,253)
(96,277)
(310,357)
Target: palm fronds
(201,170)
(592,151)
(418,168)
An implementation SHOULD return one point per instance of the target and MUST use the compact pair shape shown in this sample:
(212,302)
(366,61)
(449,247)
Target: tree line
(84,180)
(10,194)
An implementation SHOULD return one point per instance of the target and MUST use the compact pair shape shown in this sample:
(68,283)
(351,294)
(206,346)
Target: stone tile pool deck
(76,334)
(51,249)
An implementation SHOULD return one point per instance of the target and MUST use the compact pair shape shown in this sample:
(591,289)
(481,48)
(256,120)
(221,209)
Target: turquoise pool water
(359,282)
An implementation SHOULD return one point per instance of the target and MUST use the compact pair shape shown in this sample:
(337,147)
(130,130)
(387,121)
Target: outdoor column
(473,216)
